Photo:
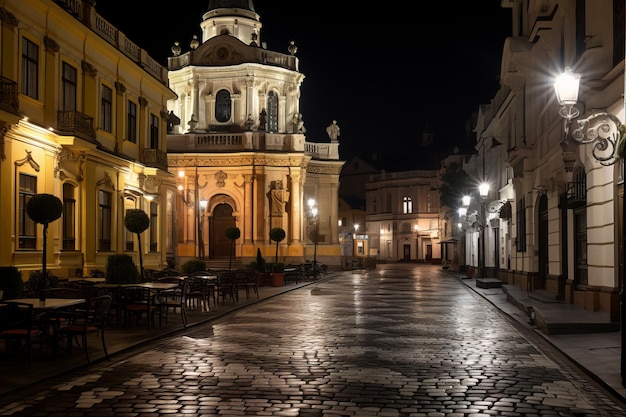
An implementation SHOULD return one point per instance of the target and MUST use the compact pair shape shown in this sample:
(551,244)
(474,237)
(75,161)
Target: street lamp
(314,234)
(203,205)
(603,130)
(483,190)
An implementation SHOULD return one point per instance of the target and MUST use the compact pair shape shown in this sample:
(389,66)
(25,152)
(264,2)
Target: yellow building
(83,116)
(240,153)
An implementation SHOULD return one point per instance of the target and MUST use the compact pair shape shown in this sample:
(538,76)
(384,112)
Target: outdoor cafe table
(157,287)
(50,306)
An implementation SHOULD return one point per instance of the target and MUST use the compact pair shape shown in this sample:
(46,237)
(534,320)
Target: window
(26,226)
(154,132)
(154,227)
(222,106)
(374,209)
(105,209)
(129,237)
(388,208)
(30,69)
(69,217)
(520,225)
(131,122)
(106,109)
(407,205)
(272,112)
(68,81)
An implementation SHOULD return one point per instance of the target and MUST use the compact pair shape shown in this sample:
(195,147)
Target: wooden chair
(92,319)
(18,326)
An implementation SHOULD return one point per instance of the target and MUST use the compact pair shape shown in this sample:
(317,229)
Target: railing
(88,16)
(250,141)
(76,123)
(8,95)
(155,158)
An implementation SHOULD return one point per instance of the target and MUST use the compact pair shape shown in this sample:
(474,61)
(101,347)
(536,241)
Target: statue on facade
(262,119)
(333,131)
(278,198)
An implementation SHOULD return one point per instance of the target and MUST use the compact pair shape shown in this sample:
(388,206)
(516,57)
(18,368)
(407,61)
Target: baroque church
(236,143)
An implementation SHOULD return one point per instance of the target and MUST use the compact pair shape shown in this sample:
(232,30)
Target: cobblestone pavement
(397,341)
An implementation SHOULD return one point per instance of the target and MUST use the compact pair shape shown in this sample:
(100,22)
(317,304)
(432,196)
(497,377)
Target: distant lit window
(407,205)
(105,210)
(69,80)
(154,227)
(69,216)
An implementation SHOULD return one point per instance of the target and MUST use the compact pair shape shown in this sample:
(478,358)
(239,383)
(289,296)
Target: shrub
(121,269)
(34,283)
(11,282)
(193,265)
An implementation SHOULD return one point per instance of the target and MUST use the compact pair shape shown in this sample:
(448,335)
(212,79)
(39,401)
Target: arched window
(272,112)
(222,106)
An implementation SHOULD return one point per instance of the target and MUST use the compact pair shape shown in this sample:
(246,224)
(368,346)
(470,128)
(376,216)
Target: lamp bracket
(602,128)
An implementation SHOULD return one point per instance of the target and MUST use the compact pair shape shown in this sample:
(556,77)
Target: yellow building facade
(83,116)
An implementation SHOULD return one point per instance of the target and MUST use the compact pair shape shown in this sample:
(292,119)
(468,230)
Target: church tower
(238,148)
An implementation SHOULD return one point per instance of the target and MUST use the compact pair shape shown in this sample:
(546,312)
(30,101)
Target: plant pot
(262,278)
(277,279)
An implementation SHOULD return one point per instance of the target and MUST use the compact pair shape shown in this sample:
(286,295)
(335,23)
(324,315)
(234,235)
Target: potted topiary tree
(44,209)
(277,273)
(137,221)
(11,282)
(233,234)
(121,269)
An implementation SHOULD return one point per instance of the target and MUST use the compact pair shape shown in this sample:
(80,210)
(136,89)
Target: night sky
(385,75)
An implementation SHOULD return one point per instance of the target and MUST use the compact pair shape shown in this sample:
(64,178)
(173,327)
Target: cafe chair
(247,281)
(175,299)
(92,319)
(227,286)
(137,301)
(201,291)
(19,326)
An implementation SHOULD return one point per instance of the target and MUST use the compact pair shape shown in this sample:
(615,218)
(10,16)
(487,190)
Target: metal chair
(175,299)
(18,325)
(92,319)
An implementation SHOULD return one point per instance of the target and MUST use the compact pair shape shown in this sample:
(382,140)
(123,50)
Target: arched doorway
(221,219)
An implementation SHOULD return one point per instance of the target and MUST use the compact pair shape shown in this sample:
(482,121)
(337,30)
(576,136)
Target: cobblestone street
(396,341)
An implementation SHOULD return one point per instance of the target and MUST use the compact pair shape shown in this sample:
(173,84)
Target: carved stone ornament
(106,182)
(220,179)
(28,160)
(51,45)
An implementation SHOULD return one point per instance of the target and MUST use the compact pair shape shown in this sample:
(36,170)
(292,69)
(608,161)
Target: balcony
(77,124)
(8,95)
(155,158)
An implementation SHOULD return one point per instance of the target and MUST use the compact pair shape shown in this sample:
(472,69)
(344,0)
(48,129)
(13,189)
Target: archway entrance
(220,220)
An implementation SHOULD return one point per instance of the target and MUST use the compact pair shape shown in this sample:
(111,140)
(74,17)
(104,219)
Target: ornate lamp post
(603,130)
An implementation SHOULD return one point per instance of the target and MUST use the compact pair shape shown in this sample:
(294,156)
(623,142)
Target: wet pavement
(399,340)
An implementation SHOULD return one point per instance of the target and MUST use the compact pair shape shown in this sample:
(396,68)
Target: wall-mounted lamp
(603,128)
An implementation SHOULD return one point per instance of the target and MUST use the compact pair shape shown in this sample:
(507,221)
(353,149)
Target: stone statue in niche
(278,198)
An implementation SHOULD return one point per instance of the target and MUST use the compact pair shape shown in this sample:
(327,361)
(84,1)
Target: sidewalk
(598,353)
(13,374)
